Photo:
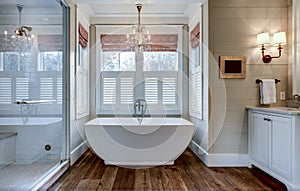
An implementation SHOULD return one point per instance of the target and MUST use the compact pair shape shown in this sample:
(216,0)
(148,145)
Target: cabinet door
(281,146)
(259,139)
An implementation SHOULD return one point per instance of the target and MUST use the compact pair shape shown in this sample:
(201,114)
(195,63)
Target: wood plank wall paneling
(188,173)
(250,4)
(233,30)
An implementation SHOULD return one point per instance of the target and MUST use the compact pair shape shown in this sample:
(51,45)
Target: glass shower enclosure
(32,95)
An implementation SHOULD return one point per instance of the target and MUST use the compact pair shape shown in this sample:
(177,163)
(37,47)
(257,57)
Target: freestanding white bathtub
(124,142)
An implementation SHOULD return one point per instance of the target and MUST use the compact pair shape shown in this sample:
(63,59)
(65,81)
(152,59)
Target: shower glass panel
(32,101)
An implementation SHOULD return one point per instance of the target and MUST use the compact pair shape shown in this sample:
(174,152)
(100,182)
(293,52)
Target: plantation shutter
(22,89)
(117,88)
(161,88)
(46,88)
(109,90)
(5,91)
(59,90)
(126,90)
(196,92)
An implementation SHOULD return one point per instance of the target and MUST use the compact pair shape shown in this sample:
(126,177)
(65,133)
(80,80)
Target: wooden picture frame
(232,67)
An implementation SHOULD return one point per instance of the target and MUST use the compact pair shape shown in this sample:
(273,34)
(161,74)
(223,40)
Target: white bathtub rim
(17,121)
(132,125)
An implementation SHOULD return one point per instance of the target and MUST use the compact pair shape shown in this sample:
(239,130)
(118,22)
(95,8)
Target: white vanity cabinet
(274,144)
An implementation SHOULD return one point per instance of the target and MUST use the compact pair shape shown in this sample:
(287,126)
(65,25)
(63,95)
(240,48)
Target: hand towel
(267,91)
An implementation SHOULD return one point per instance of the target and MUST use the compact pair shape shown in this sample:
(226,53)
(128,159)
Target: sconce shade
(279,38)
(263,38)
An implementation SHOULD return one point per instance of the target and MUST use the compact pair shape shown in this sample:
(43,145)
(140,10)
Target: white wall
(233,26)
(295,33)
(199,144)
(78,143)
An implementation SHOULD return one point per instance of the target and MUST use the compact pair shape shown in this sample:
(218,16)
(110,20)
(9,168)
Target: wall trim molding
(78,152)
(219,159)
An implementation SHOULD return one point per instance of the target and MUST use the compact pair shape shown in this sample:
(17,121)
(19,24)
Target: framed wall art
(232,67)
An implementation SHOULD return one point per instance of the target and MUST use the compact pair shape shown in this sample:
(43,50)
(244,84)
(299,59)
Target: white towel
(267,91)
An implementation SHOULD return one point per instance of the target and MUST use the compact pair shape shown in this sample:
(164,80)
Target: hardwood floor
(188,173)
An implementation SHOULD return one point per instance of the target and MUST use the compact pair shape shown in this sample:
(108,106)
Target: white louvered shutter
(109,91)
(46,88)
(22,89)
(5,91)
(126,90)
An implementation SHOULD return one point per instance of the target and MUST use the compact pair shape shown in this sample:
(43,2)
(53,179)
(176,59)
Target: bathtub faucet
(140,106)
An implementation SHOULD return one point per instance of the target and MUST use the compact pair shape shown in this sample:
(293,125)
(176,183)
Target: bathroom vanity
(274,143)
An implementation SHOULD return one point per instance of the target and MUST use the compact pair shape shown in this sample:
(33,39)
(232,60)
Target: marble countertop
(278,110)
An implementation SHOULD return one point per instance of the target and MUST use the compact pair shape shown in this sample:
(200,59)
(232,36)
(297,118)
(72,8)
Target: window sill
(131,112)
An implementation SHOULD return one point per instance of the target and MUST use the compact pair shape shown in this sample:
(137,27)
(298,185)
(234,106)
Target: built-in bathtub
(32,137)
(7,148)
(125,142)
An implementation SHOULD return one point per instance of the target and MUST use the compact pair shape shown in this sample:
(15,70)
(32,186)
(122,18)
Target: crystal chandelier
(138,40)
(22,39)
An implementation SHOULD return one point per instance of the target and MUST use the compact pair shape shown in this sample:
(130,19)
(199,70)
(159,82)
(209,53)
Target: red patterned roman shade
(195,36)
(82,36)
(50,42)
(158,42)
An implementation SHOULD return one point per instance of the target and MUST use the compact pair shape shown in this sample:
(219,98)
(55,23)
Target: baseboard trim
(219,159)
(78,152)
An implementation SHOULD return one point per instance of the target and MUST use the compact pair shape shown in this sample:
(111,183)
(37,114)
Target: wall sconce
(279,39)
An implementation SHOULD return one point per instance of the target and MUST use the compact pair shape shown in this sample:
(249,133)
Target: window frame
(154,29)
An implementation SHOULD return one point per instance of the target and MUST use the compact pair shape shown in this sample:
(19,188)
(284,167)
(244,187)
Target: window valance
(195,36)
(83,36)
(50,42)
(158,42)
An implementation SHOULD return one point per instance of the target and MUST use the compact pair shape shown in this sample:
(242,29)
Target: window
(160,61)
(118,61)
(160,78)
(126,76)
(50,61)
(38,70)
(15,61)
(195,74)
(50,52)
(82,82)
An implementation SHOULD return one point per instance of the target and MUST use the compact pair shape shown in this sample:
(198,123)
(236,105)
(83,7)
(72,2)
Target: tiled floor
(22,177)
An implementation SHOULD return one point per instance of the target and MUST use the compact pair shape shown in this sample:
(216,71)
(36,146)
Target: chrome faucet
(296,96)
(139,106)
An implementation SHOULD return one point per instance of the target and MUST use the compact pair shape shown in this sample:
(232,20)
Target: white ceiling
(102,11)
(127,8)
(30,6)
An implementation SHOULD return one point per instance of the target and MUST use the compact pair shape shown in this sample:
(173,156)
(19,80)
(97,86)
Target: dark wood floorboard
(188,173)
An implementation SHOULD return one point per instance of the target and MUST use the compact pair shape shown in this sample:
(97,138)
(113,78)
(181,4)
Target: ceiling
(30,6)
(127,8)
(123,11)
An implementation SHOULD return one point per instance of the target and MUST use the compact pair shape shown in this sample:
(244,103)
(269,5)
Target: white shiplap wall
(233,28)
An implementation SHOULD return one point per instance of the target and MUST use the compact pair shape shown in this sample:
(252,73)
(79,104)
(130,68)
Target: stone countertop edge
(277,110)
